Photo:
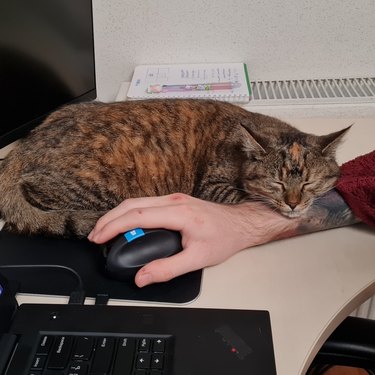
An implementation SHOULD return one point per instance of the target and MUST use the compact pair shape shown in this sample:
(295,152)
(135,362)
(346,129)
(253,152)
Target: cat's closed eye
(307,185)
(279,184)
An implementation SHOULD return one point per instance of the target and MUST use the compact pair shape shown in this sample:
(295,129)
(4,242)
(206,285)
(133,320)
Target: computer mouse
(130,251)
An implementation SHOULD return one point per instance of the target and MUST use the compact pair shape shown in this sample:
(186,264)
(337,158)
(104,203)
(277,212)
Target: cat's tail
(30,220)
(24,218)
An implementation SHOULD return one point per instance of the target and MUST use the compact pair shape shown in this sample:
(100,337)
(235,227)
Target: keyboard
(73,339)
(102,355)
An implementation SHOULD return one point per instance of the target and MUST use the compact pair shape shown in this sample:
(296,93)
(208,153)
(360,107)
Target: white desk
(309,284)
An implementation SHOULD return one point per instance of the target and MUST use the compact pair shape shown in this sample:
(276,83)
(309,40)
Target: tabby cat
(84,159)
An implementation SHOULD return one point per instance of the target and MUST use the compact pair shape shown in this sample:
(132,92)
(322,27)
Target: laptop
(71,339)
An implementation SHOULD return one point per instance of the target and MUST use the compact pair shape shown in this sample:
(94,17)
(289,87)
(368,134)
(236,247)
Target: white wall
(278,39)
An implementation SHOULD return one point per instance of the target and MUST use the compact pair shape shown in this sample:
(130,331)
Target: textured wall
(278,39)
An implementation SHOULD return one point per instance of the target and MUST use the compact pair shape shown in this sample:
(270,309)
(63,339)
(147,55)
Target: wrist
(259,224)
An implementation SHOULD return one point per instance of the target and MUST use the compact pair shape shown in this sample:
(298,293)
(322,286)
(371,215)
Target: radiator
(314,91)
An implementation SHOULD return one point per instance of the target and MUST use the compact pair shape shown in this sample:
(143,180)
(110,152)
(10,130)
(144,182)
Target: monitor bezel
(22,130)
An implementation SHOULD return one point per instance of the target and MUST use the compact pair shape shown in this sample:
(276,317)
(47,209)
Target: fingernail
(144,280)
(90,235)
(95,237)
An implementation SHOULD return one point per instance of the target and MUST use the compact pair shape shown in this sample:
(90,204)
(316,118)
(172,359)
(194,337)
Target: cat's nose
(292,199)
(292,204)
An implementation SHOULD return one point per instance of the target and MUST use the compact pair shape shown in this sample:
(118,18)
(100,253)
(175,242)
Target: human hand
(211,232)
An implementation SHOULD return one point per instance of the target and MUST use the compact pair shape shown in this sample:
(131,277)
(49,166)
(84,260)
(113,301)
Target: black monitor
(46,61)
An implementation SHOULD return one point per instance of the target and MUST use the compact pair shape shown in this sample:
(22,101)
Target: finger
(166,269)
(133,203)
(149,217)
(127,205)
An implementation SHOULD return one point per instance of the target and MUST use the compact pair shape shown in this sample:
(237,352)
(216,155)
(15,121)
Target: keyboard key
(38,362)
(44,345)
(143,361)
(157,361)
(124,356)
(83,348)
(103,356)
(60,353)
(100,355)
(78,368)
(144,345)
(158,345)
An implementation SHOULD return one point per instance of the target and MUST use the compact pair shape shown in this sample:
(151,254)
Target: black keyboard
(102,355)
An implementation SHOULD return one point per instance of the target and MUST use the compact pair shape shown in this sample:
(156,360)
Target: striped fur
(85,159)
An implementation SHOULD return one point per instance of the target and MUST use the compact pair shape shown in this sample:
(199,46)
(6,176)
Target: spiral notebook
(226,82)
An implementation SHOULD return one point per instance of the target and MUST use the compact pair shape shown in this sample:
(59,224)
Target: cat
(85,159)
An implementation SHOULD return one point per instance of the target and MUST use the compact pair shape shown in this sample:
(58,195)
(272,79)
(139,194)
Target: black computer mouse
(130,251)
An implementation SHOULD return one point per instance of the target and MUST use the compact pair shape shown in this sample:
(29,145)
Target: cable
(77,297)
(71,270)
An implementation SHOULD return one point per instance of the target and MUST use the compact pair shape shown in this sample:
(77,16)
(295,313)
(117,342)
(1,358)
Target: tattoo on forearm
(329,211)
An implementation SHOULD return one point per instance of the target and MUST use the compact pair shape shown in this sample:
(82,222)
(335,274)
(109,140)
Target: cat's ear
(330,142)
(251,145)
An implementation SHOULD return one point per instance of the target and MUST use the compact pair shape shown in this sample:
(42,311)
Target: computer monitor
(46,61)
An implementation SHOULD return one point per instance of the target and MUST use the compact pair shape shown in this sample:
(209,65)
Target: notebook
(226,82)
(44,339)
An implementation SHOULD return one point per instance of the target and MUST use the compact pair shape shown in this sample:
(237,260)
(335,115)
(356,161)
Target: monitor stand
(87,260)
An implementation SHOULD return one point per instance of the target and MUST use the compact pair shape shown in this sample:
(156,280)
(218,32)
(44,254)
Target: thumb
(166,269)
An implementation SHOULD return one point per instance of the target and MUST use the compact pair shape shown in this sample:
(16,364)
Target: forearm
(260,225)
(329,211)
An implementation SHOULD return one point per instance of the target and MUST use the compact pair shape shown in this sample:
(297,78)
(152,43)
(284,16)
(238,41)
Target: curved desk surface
(309,283)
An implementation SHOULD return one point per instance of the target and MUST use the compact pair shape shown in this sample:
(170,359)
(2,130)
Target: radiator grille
(312,91)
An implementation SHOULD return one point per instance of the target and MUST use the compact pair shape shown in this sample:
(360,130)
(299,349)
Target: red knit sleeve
(357,186)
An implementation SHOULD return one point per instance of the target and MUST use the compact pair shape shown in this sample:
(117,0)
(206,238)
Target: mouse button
(172,238)
(144,250)
(129,254)
(164,243)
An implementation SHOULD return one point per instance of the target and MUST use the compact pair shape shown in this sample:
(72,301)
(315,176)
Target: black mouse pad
(87,260)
